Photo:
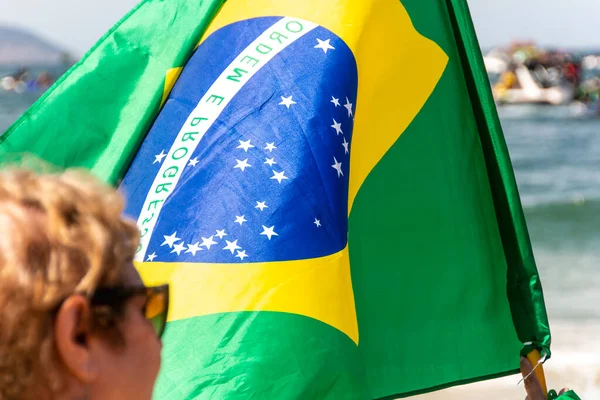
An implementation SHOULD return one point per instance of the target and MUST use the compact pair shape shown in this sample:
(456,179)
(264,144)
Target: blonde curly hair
(60,234)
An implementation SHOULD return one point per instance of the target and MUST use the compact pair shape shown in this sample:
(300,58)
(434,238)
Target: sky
(76,24)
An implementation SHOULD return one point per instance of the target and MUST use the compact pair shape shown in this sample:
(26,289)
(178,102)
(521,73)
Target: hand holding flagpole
(535,383)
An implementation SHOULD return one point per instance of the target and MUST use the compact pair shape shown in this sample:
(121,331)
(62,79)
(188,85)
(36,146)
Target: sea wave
(565,237)
(577,220)
(564,209)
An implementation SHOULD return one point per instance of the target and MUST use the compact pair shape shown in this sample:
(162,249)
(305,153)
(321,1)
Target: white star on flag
(170,240)
(207,242)
(270,146)
(151,257)
(193,162)
(240,219)
(345,144)
(336,102)
(317,223)
(287,101)
(348,106)
(159,157)
(245,145)
(232,246)
(178,248)
(193,248)
(324,45)
(221,233)
(338,127)
(242,164)
(269,232)
(242,254)
(270,161)
(279,176)
(261,205)
(338,167)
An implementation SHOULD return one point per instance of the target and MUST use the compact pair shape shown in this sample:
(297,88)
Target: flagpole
(534,358)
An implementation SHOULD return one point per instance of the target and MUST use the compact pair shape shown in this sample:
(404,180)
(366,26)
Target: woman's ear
(72,329)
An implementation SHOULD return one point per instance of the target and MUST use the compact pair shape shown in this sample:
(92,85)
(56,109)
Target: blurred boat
(591,62)
(524,73)
(525,89)
(496,62)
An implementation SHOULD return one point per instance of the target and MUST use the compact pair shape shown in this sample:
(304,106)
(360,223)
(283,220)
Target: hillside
(18,46)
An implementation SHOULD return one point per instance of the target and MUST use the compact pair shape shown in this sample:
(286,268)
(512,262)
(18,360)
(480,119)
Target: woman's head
(72,307)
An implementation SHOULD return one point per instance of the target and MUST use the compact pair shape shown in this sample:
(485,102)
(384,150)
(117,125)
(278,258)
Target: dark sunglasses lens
(157,309)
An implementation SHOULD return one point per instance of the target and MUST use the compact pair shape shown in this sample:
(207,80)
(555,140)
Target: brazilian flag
(324,183)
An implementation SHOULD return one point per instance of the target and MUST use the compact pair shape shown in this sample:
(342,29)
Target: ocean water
(12,105)
(556,156)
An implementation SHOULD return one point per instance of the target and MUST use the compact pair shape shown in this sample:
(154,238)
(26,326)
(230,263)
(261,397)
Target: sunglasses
(156,307)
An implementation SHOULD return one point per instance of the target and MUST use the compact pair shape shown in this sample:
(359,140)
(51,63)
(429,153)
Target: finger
(533,388)
(563,391)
